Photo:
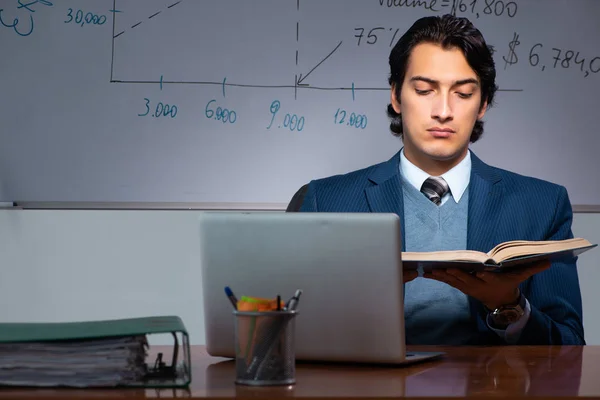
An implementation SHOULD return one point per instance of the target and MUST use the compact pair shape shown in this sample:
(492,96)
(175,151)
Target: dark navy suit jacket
(502,206)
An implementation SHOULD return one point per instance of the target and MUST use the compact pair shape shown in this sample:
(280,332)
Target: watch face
(507,316)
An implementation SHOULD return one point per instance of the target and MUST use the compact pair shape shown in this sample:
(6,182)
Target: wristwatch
(508,313)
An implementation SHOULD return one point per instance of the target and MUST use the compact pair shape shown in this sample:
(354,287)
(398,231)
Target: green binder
(159,373)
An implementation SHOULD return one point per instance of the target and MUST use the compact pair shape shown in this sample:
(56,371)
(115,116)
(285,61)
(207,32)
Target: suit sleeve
(303,200)
(554,294)
(297,200)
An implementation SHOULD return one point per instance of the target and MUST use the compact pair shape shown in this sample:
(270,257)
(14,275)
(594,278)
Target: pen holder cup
(264,348)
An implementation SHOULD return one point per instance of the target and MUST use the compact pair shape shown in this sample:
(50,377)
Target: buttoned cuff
(513,331)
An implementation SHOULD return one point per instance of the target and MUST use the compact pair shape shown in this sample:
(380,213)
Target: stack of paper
(104,362)
(97,353)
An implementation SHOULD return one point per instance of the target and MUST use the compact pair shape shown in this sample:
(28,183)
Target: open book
(508,254)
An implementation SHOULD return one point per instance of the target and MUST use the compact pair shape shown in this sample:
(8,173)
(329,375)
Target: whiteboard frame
(65,205)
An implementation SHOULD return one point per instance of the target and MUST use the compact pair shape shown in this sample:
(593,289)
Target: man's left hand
(493,289)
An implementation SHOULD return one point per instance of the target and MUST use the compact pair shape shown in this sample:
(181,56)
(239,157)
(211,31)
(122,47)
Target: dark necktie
(435,188)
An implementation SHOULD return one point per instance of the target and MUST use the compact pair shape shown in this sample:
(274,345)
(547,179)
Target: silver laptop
(348,266)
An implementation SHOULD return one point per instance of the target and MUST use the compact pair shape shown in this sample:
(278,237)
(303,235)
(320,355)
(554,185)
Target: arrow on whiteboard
(300,78)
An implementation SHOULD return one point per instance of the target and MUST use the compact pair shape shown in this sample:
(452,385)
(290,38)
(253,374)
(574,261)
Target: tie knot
(435,188)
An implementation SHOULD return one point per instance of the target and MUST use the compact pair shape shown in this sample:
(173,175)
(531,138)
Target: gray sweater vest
(435,313)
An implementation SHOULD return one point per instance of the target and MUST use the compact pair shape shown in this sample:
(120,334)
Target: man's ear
(395,100)
(482,110)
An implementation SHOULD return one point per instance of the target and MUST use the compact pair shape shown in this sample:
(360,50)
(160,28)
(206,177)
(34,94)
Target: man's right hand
(409,275)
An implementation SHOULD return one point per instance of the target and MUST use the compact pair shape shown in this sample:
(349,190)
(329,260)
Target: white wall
(74,265)
(588,226)
(71,265)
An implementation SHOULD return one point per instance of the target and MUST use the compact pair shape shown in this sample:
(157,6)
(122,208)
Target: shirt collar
(457,178)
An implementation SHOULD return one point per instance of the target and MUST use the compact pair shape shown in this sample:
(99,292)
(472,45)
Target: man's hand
(493,289)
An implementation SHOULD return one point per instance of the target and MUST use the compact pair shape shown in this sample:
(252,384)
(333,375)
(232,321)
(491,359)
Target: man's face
(440,101)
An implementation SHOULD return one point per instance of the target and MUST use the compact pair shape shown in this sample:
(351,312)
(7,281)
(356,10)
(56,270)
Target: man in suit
(442,79)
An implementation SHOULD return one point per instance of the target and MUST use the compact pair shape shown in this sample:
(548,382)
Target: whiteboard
(240,103)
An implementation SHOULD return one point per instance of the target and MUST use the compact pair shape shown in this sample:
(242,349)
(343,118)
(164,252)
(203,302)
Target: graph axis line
(242,85)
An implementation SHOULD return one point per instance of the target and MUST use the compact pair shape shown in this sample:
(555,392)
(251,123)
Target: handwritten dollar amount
(218,113)
(81,18)
(291,121)
(552,57)
(487,7)
(161,110)
(354,120)
(491,7)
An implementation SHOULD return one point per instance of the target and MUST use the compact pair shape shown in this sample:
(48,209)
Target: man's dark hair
(447,31)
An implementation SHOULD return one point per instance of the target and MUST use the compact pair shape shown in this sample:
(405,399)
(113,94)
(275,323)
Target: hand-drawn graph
(211,91)
(300,44)
(249,47)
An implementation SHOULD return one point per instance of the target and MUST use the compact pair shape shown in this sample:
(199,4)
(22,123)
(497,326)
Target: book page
(449,255)
(512,243)
(513,249)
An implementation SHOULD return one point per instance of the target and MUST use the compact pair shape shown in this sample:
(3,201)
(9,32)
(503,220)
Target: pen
(293,302)
(231,297)
(274,340)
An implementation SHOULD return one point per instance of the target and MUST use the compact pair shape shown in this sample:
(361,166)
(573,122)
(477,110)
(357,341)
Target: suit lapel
(485,200)
(385,196)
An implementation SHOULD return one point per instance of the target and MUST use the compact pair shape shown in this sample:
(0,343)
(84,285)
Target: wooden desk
(473,372)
